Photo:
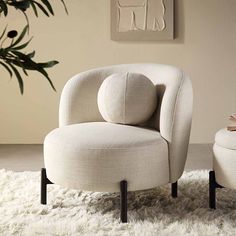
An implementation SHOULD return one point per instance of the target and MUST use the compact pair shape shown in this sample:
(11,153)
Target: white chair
(88,153)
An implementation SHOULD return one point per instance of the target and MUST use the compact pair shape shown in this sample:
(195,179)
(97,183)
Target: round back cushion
(127,98)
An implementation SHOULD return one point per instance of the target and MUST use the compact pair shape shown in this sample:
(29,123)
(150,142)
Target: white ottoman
(224,163)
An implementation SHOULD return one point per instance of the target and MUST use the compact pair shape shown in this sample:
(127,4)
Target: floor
(30,157)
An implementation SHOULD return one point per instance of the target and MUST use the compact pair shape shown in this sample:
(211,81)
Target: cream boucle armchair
(87,153)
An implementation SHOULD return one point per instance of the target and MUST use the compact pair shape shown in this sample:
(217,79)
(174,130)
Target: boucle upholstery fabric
(97,156)
(226,139)
(172,117)
(224,160)
(127,98)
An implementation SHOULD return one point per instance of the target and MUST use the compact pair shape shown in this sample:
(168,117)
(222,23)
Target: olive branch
(11,56)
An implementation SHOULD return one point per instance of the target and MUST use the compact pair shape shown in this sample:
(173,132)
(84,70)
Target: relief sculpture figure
(140,15)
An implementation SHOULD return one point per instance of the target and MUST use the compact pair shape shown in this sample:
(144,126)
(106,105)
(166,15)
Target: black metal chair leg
(44,182)
(213,185)
(212,190)
(123,201)
(174,189)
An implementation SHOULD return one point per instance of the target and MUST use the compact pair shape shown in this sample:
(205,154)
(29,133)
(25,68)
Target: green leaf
(21,55)
(42,71)
(22,60)
(22,66)
(22,5)
(48,5)
(31,55)
(19,78)
(27,20)
(21,46)
(3,33)
(28,64)
(22,35)
(3,53)
(64,6)
(41,8)
(3,7)
(24,57)
(48,64)
(6,67)
(34,8)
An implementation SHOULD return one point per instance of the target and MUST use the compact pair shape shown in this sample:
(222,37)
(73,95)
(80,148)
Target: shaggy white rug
(152,212)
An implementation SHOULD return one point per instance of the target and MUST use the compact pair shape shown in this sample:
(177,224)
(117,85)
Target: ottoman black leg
(44,182)
(213,185)
(212,190)
(174,189)
(123,201)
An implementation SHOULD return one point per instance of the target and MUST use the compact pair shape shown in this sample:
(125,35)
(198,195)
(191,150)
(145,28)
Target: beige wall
(205,48)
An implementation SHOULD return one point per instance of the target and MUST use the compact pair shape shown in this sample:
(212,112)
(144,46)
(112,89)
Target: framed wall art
(142,19)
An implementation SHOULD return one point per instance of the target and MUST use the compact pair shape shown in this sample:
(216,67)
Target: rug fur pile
(152,212)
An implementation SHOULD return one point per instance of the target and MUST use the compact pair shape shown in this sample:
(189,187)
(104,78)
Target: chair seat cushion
(226,139)
(96,156)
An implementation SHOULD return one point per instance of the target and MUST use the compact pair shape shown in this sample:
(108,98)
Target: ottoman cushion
(97,156)
(224,161)
(226,139)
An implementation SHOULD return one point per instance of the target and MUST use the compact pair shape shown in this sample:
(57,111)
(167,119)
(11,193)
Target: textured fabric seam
(126,148)
(104,102)
(126,78)
(176,101)
(225,147)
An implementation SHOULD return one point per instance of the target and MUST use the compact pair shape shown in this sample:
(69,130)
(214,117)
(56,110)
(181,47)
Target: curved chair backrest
(172,118)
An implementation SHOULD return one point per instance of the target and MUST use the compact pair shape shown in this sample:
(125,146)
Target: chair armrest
(178,132)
